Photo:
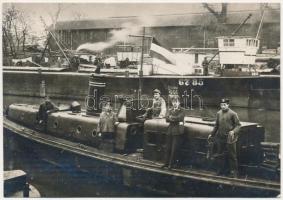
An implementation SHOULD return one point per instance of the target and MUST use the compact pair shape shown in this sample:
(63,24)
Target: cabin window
(225,41)
(229,42)
(196,58)
(256,43)
(198,71)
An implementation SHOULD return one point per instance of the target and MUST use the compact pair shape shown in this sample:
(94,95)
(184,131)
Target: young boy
(106,126)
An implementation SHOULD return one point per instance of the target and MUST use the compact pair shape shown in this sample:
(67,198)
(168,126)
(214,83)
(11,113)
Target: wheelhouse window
(229,42)
(196,58)
(252,42)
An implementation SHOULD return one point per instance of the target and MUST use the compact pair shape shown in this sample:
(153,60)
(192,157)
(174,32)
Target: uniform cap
(224,100)
(47,98)
(156,91)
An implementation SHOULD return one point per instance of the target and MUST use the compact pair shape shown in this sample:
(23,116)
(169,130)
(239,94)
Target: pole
(260,24)
(47,41)
(213,57)
(141,68)
(204,37)
(238,28)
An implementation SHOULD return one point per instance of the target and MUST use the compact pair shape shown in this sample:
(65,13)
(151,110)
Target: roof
(236,36)
(193,19)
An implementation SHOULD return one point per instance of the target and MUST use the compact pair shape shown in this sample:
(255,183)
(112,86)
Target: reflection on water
(52,181)
(270,119)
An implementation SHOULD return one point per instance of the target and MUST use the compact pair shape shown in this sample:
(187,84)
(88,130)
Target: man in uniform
(225,134)
(174,116)
(158,109)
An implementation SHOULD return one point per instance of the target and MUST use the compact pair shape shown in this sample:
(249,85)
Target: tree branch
(205,5)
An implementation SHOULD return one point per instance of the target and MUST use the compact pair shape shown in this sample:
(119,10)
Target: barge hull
(246,92)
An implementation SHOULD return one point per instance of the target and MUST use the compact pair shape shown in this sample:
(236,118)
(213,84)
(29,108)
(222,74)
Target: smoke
(128,28)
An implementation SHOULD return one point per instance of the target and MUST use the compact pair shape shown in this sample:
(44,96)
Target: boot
(234,174)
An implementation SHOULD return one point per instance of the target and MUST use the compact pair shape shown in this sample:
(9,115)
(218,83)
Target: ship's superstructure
(237,50)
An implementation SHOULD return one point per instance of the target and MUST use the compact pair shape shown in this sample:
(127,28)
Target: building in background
(188,30)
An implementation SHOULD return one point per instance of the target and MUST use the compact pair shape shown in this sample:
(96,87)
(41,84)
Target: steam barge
(70,139)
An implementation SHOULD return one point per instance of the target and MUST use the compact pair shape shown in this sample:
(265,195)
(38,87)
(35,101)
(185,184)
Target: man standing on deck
(175,132)
(106,128)
(205,66)
(225,134)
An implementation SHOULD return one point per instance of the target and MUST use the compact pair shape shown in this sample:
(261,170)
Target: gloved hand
(231,137)
(141,118)
(209,137)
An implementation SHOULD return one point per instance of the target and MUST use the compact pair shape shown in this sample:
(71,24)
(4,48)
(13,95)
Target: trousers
(229,152)
(173,143)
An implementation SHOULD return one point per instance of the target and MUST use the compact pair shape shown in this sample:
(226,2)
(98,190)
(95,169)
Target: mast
(143,36)
(261,22)
(57,42)
(141,68)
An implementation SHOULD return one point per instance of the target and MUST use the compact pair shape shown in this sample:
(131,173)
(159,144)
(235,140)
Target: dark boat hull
(247,92)
(133,171)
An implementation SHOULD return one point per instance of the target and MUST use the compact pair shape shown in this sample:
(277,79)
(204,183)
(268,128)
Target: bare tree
(8,17)
(15,31)
(220,16)
(55,16)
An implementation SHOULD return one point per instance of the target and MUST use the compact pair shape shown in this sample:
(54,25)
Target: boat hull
(131,172)
(246,92)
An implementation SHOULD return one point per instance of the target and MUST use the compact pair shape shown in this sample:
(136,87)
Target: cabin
(239,50)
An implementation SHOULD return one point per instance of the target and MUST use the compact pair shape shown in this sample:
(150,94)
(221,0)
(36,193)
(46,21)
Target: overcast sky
(73,11)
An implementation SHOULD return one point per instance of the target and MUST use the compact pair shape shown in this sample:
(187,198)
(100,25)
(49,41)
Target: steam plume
(118,35)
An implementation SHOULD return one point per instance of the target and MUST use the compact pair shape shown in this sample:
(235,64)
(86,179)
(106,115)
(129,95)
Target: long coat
(174,116)
(226,121)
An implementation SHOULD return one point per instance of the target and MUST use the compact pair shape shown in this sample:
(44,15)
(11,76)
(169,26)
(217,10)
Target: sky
(73,11)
